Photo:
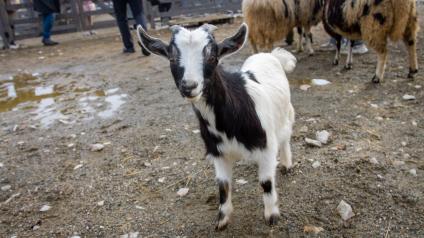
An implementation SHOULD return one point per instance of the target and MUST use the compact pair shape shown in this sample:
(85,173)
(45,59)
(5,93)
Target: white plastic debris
(161,180)
(241,181)
(373,160)
(413,172)
(6,187)
(101,203)
(196,131)
(316,164)
(345,210)
(304,87)
(182,192)
(312,142)
(78,166)
(320,82)
(96,147)
(408,97)
(322,136)
(45,208)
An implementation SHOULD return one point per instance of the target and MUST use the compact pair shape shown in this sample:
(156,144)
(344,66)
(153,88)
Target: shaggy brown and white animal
(270,21)
(375,22)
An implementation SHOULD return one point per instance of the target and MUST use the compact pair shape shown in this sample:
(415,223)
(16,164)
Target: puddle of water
(115,102)
(47,112)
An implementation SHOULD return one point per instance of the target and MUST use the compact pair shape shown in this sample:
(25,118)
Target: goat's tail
(288,60)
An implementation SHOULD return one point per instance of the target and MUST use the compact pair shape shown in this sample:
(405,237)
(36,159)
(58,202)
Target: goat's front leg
(300,40)
(381,64)
(224,170)
(338,39)
(349,58)
(308,36)
(267,168)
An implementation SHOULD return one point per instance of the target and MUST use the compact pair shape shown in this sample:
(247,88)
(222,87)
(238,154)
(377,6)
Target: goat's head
(193,55)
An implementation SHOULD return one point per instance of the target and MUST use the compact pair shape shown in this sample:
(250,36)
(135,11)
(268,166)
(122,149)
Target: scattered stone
(15,128)
(322,136)
(139,207)
(403,143)
(379,118)
(373,160)
(78,166)
(374,105)
(379,176)
(406,156)
(147,164)
(6,187)
(107,143)
(312,142)
(320,82)
(305,87)
(303,129)
(71,145)
(196,131)
(168,130)
(413,172)
(345,210)
(312,229)
(241,181)
(133,234)
(182,192)
(155,149)
(316,164)
(101,203)
(417,86)
(161,180)
(1,165)
(45,208)
(398,163)
(407,97)
(36,227)
(96,147)
(21,142)
(414,123)
(75,236)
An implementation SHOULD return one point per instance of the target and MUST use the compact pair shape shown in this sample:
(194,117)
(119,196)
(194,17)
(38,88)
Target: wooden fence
(72,18)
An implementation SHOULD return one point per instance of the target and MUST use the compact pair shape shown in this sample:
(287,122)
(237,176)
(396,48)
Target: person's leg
(120,8)
(138,13)
(358,47)
(48,20)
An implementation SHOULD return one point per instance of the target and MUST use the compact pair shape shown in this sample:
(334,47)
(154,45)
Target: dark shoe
(128,50)
(143,50)
(48,42)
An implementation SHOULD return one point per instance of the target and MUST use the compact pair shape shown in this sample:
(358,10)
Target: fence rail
(72,18)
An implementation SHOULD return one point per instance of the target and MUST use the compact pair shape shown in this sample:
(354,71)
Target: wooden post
(5,25)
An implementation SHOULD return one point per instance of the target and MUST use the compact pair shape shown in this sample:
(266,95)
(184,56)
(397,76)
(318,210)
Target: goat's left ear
(154,45)
(232,44)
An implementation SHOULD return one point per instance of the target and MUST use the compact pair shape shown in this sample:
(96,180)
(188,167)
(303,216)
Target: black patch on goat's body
(335,18)
(366,10)
(352,4)
(380,18)
(267,186)
(317,7)
(411,42)
(211,141)
(234,110)
(251,76)
(286,9)
(223,191)
(377,2)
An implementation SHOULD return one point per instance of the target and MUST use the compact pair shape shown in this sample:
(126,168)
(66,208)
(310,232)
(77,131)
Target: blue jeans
(48,20)
(345,41)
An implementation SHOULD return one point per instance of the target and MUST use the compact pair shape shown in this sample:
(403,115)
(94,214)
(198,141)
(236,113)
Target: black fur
(211,141)
(267,186)
(377,2)
(286,9)
(411,42)
(335,18)
(251,76)
(223,191)
(366,10)
(380,18)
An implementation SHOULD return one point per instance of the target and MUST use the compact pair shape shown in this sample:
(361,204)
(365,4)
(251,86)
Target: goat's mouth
(193,98)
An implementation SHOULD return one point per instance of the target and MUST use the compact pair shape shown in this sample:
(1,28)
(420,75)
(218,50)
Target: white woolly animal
(242,115)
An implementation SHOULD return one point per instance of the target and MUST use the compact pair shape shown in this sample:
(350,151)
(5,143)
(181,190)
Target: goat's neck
(216,92)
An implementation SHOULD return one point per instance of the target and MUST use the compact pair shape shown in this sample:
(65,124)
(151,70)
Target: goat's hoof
(223,221)
(272,220)
(335,62)
(286,170)
(348,66)
(412,73)
(311,53)
(375,79)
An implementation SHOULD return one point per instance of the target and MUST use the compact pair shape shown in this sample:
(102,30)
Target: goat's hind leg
(410,40)
(286,157)
(223,170)
(267,168)
(349,59)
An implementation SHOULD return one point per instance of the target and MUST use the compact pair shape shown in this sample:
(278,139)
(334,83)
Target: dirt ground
(56,102)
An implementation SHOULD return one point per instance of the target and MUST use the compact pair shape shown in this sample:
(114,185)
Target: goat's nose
(188,86)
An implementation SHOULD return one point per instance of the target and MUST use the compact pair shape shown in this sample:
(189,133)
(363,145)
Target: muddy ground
(56,102)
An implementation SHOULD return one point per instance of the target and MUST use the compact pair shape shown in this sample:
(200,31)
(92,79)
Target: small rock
(45,208)
(406,156)
(379,118)
(6,187)
(75,236)
(322,136)
(312,229)
(316,164)
(36,227)
(147,164)
(124,236)
(417,86)
(139,207)
(305,87)
(161,180)
(398,163)
(414,123)
(345,210)
(155,149)
(21,142)
(312,142)
(403,143)
(78,166)
(413,172)
(373,160)
(196,131)
(96,147)
(1,165)
(303,129)
(408,97)
(379,176)
(133,234)
(101,203)
(320,82)
(71,145)
(241,181)
(374,105)
(182,192)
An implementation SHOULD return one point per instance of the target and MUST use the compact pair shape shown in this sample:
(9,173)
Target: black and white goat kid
(245,114)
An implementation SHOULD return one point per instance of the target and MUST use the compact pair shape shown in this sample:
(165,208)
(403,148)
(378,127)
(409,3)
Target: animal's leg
(381,64)
(267,167)
(338,39)
(254,46)
(286,155)
(349,59)
(223,171)
(410,40)
(300,40)
(308,35)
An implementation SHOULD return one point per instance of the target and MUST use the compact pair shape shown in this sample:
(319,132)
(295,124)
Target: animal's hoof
(311,53)
(412,73)
(348,66)
(336,62)
(376,79)
(285,171)
(272,220)
(222,222)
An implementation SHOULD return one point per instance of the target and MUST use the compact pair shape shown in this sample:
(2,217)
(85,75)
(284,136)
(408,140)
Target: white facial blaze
(191,45)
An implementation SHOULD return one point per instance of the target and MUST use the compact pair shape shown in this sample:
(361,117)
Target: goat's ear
(232,44)
(153,45)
